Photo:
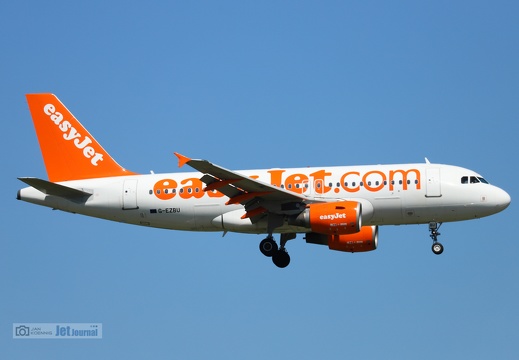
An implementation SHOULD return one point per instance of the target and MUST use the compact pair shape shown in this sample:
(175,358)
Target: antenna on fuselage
(427,161)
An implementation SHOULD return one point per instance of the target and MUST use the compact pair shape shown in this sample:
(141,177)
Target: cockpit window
(483,180)
(473,180)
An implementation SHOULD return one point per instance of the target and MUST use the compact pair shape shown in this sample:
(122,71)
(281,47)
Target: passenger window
(465,180)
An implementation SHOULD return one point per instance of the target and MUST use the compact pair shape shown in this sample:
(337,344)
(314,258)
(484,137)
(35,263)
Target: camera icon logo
(22,330)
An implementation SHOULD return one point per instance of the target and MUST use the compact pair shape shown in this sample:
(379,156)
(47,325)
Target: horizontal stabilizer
(50,188)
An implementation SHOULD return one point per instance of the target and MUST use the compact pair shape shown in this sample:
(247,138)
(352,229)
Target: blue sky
(255,85)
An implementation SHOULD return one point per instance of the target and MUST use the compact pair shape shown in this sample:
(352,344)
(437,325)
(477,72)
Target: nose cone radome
(501,199)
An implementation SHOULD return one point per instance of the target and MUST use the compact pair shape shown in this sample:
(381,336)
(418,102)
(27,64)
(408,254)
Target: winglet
(182,160)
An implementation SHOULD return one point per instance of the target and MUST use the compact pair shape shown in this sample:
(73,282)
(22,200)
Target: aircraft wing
(258,197)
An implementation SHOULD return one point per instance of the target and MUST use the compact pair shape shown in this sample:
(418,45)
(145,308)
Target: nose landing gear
(437,248)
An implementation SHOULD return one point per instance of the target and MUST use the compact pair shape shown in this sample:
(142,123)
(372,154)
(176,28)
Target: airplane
(339,206)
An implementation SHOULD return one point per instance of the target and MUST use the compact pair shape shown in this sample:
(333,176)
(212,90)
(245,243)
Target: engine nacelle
(364,240)
(333,218)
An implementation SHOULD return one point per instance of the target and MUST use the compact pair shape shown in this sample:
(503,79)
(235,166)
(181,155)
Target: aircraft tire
(281,259)
(437,248)
(268,247)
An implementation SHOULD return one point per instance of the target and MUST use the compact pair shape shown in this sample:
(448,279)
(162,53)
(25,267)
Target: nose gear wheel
(437,248)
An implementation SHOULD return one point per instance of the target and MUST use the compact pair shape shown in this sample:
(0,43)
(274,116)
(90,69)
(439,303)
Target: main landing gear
(437,248)
(279,255)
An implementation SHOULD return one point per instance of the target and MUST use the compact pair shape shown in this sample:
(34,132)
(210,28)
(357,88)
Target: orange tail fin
(68,149)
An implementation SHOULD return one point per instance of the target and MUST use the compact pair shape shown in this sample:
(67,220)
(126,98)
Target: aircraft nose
(502,199)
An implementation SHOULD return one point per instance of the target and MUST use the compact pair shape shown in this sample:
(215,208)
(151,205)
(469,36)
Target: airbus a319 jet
(340,207)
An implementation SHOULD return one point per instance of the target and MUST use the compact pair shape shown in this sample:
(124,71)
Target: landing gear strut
(437,248)
(269,248)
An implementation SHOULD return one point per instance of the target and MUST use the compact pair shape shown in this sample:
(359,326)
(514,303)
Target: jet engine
(364,240)
(332,218)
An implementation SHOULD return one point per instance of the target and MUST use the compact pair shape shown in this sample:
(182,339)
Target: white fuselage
(389,194)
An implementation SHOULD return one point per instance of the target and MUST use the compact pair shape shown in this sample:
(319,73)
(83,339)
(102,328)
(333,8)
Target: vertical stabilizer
(68,149)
